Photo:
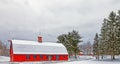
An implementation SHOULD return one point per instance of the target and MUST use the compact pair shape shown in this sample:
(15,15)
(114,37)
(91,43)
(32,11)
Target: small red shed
(22,50)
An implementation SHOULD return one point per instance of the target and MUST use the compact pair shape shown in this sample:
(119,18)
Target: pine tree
(70,41)
(75,38)
(112,34)
(118,33)
(104,38)
(96,46)
(109,40)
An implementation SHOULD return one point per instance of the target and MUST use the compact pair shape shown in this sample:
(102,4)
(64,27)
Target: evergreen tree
(104,38)
(95,46)
(112,34)
(110,38)
(70,41)
(118,33)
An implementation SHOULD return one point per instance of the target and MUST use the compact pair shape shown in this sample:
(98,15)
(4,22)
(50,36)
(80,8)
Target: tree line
(108,41)
(86,48)
(4,51)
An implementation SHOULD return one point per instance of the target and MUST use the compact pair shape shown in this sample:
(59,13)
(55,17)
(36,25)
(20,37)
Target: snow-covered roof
(34,47)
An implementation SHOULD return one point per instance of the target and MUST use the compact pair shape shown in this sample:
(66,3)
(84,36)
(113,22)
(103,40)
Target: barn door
(49,58)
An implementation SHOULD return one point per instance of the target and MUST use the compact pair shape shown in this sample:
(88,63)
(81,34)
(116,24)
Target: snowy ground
(4,59)
(82,60)
(89,62)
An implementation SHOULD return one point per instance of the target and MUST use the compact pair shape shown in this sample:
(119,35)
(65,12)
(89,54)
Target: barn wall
(37,57)
(11,52)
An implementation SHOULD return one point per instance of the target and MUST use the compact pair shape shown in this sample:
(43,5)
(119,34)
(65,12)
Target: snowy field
(82,60)
(4,59)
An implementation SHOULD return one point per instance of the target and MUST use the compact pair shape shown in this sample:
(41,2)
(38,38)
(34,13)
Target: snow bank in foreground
(83,60)
(92,60)
(89,62)
(73,62)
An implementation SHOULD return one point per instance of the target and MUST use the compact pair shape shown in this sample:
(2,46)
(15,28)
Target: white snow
(83,60)
(4,59)
(32,47)
(89,62)
(24,42)
(92,60)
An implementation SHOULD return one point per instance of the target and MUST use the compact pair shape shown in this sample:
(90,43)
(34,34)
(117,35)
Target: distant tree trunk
(113,54)
(98,57)
(69,55)
(101,56)
(87,51)
(113,57)
(75,54)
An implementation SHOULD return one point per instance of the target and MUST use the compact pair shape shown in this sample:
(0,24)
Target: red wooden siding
(11,51)
(23,57)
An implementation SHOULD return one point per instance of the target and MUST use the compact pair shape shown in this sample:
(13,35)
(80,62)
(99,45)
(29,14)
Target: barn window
(41,56)
(35,56)
(49,57)
(57,57)
(64,56)
(28,56)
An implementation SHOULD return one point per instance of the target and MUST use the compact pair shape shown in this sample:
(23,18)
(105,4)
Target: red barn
(22,50)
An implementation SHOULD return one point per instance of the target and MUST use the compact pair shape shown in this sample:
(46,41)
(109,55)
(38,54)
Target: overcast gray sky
(26,19)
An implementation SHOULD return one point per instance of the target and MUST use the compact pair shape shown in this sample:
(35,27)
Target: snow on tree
(96,46)
(70,41)
(109,40)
